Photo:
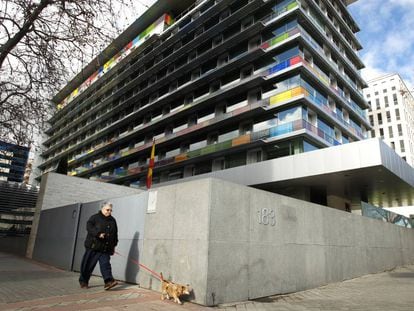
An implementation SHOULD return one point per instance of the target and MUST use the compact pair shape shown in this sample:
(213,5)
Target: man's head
(106,209)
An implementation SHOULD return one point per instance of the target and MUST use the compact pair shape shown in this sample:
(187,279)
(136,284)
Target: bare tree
(42,44)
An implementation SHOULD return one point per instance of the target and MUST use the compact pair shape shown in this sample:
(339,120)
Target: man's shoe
(84,285)
(110,284)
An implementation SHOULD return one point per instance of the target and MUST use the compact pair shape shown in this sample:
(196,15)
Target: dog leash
(141,265)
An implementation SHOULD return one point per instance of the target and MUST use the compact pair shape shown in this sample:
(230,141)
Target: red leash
(141,265)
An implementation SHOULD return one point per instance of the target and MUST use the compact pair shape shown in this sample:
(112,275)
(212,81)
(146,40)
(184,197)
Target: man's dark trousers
(89,261)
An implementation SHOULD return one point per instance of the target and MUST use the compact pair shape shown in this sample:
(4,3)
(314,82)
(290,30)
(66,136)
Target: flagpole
(151,165)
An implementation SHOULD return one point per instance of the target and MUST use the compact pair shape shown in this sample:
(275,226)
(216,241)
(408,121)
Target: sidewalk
(29,285)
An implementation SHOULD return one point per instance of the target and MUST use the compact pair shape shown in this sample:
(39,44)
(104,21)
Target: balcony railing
(264,135)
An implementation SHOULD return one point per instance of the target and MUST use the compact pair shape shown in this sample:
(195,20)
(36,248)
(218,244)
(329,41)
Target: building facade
(13,161)
(216,84)
(392,114)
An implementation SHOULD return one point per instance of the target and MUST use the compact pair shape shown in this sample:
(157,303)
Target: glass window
(308,146)
(402,147)
(287,54)
(379,118)
(234,160)
(289,115)
(371,119)
(326,128)
(285,28)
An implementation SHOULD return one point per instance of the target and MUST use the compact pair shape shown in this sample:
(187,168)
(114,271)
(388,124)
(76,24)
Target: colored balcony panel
(260,135)
(278,67)
(244,139)
(194,153)
(292,5)
(181,157)
(281,129)
(208,149)
(279,39)
(295,60)
(224,145)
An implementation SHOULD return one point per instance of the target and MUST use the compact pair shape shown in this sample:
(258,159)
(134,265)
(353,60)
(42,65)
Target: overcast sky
(387,37)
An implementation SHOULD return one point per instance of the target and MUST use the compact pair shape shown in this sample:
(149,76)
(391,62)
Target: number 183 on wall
(266,216)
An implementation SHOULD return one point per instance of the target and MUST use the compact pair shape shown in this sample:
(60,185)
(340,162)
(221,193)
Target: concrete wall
(233,243)
(60,190)
(176,237)
(308,245)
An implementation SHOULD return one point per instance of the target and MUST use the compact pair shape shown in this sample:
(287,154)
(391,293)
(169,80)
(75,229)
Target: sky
(387,37)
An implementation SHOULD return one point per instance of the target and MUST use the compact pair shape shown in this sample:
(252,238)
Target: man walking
(100,245)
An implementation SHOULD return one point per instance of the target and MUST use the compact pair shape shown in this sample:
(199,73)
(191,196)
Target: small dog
(173,290)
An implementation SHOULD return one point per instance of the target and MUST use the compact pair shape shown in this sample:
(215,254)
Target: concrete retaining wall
(233,243)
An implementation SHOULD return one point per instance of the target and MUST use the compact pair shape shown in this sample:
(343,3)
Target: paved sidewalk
(29,285)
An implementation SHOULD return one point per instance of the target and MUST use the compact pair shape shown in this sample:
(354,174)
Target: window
(218,164)
(390,133)
(371,119)
(402,147)
(215,86)
(394,98)
(388,114)
(248,21)
(386,101)
(254,156)
(4,169)
(212,139)
(246,72)
(397,114)
(384,90)
(377,102)
(4,161)
(379,118)
(381,131)
(399,127)
(224,14)
(217,40)
(189,171)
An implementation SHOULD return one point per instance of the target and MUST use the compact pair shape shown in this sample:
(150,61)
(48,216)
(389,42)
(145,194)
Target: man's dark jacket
(98,224)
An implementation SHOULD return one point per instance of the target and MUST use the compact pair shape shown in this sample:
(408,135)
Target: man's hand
(102,235)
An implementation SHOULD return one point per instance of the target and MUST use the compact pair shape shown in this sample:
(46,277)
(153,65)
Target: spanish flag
(151,165)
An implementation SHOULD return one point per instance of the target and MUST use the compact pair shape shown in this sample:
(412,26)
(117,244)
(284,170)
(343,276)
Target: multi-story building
(392,114)
(13,160)
(217,84)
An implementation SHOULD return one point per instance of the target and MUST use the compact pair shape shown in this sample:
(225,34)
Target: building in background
(392,114)
(17,199)
(220,85)
(13,161)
